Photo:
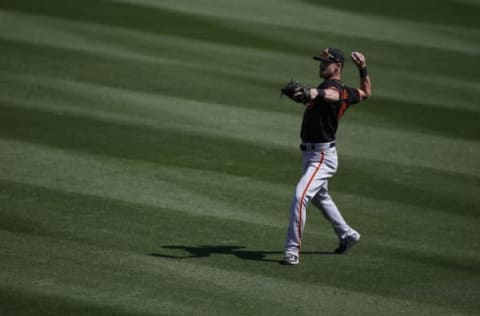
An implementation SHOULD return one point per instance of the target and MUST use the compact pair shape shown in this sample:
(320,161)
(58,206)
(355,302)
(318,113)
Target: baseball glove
(296,92)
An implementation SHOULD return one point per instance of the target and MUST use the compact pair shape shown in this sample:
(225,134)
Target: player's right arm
(365,89)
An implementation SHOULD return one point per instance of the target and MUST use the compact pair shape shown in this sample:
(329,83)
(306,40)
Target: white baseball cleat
(290,260)
(347,243)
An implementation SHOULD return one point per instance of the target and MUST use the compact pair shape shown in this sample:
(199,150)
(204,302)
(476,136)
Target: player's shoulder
(348,94)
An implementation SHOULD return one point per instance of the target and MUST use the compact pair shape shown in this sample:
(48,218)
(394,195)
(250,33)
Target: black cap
(331,55)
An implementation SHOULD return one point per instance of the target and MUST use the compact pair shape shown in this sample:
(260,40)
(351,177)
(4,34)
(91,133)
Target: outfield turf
(147,162)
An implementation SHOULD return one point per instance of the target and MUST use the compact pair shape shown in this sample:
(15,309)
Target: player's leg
(346,235)
(329,209)
(306,189)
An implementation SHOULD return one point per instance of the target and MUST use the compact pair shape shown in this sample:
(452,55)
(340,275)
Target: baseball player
(324,107)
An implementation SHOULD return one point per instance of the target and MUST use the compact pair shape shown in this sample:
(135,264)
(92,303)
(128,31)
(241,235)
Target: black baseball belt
(316,146)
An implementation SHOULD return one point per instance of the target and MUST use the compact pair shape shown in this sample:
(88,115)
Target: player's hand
(359,60)
(296,92)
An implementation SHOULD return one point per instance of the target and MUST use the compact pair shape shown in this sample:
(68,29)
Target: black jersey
(320,119)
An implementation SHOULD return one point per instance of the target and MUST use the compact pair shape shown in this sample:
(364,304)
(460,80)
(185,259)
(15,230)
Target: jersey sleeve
(351,95)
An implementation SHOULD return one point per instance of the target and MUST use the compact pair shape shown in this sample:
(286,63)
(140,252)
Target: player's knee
(300,199)
(322,198)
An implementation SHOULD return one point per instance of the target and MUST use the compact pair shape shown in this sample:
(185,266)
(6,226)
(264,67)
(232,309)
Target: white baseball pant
(319,165)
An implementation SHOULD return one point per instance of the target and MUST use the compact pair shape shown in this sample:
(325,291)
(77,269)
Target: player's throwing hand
(359,60)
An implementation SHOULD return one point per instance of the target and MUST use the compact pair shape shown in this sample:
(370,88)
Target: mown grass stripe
(315,16)
(430,152)
(25,301)
(155,111)
(85,278)
(121,180)
(132,44)
(164,21)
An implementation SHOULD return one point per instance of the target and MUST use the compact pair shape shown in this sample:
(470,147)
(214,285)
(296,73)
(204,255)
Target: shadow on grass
(237,251)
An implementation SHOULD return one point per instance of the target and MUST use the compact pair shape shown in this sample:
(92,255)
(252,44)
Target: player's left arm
(365,89)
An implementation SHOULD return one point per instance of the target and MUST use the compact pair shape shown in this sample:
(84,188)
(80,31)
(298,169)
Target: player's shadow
(240,252)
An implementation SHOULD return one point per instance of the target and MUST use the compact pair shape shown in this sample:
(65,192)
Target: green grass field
(147,162)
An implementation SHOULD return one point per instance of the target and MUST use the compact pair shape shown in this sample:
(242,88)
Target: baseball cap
(332,55)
